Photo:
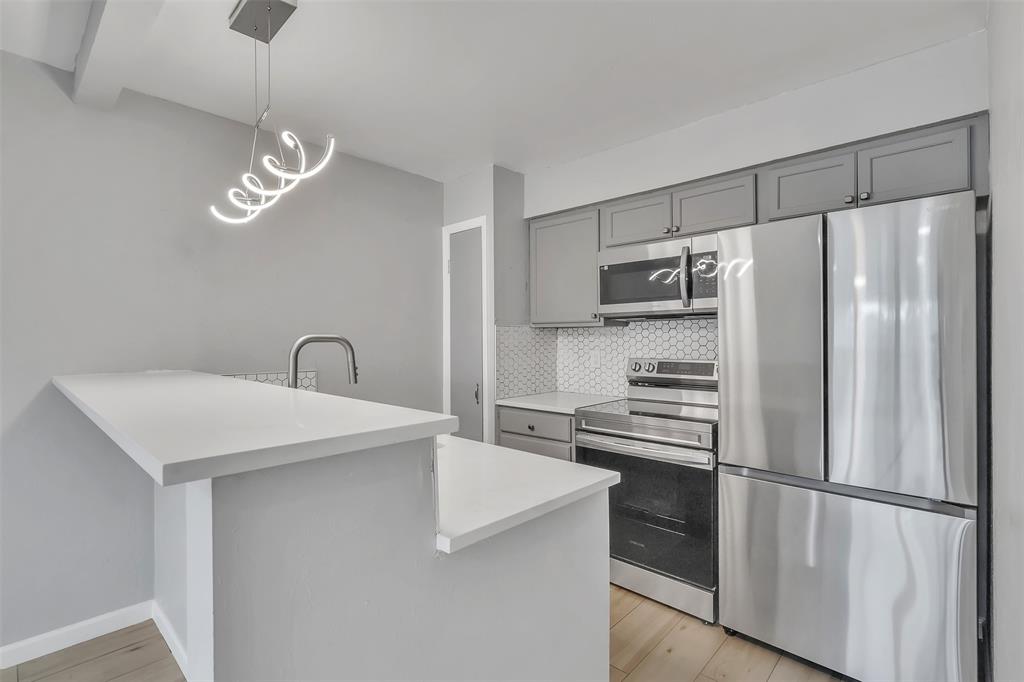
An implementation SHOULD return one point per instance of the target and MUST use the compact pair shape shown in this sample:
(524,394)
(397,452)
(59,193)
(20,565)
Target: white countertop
(562,402)
(483,489)
(184,426)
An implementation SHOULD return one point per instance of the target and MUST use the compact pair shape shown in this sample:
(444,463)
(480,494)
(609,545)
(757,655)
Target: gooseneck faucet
(293,357)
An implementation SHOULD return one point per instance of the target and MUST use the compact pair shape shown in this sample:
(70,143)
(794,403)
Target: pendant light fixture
(262,19)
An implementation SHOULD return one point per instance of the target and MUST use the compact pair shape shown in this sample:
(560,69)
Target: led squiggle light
(255,198)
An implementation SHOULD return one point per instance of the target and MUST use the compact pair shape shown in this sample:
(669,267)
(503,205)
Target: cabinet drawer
(538,446)
(537,424)
(641,219)
(931,164)
(816,186)
(715,206)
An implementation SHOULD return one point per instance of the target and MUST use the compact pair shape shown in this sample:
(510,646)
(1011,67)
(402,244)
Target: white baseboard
(76,633)
(170,635)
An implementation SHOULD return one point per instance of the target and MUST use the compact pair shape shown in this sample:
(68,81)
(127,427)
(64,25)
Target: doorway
(468,336)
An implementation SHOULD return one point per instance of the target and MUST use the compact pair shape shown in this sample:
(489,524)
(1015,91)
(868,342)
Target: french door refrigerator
(848,438)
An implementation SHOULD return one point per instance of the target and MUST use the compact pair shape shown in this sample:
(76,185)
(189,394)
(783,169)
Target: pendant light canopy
(262,19)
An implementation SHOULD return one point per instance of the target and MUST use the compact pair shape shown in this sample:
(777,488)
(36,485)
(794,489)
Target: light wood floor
(652,642)
(135,654)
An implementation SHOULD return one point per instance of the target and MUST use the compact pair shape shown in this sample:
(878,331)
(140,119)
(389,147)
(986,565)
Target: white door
(466,329)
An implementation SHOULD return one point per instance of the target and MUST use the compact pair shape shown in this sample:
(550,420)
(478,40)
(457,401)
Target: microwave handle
(684,276)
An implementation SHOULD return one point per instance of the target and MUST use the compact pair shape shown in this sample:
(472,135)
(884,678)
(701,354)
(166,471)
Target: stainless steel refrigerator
(848,438)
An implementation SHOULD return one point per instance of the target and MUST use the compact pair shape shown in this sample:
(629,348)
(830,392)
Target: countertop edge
(523,402)
(242,461)
(449,544)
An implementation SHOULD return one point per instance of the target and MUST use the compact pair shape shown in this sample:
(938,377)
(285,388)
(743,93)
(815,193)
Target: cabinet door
(816,186)
(931,164)
(714,206)
(563,270)
(640,219)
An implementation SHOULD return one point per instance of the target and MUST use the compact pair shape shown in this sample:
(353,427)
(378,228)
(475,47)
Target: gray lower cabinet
(815,186)
(640,219)
(929,164)
(563,270)
(715,206)
(542,433)
(537,446)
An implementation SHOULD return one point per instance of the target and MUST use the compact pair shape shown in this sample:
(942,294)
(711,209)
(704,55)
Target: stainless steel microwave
(675,277)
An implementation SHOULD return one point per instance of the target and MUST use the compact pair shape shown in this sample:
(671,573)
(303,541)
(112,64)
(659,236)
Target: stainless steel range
(662,439)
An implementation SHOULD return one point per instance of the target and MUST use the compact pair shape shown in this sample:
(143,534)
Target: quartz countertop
(560,402)
(184,426)
(484,489)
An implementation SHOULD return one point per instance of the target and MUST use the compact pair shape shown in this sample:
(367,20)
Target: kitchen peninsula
(308,536)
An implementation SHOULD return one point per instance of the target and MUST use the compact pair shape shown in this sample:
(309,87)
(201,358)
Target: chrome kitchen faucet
(293,357)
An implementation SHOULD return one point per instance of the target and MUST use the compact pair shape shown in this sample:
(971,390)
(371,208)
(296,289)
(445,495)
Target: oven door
(645,279)
(662,513)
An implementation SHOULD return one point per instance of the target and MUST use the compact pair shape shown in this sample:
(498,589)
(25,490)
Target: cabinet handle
(675,228)
(666,230)
(531,427)
(865,195)
(848,199)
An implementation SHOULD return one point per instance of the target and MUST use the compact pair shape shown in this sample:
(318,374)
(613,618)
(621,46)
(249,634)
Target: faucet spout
(293,357)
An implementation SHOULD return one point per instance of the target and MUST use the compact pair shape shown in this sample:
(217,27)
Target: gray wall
(170,554)
(497,193)
(1006,85)
(111,262)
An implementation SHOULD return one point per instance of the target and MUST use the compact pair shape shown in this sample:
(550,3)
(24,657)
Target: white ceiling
(443,88)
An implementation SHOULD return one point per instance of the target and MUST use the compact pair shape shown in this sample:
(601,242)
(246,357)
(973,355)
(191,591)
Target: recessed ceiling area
(443,88)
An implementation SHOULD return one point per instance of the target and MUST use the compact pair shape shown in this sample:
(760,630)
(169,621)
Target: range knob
(649,367)
(635,367)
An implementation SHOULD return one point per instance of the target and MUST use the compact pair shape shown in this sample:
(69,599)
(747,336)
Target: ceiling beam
(114,36)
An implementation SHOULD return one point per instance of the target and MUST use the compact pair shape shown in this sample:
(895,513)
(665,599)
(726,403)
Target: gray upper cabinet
(714,206)
(822,184)
(563,270)
(639,219)
(928,164)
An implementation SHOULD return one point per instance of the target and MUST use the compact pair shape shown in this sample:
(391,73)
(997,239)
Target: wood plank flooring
(650,642)
(133,654)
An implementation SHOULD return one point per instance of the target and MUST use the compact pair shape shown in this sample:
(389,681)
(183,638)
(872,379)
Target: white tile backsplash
(525,360)
(307,378)
(593,359)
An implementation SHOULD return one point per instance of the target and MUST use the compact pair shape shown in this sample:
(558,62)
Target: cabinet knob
(848,199)
(865,195)
(593,316)
(666,230)
(675,228)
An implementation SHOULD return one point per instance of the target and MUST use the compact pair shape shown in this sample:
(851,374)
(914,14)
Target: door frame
(487,318)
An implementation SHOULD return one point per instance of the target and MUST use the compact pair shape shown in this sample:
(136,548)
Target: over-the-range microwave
(674,277)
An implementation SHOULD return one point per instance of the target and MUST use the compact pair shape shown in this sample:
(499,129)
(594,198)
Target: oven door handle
(671,455)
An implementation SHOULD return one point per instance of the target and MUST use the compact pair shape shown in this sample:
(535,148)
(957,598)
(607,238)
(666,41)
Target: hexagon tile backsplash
(593,359)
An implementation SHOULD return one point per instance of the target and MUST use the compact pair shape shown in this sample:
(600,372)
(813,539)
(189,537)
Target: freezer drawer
(872,590)
(901,344)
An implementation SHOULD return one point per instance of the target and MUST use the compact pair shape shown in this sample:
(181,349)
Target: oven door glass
(643,281)
(662,515)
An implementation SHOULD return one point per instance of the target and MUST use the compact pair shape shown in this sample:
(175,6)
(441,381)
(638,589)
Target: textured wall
(593,359)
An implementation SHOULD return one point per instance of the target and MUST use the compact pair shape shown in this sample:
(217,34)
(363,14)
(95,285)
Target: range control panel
(654,368)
